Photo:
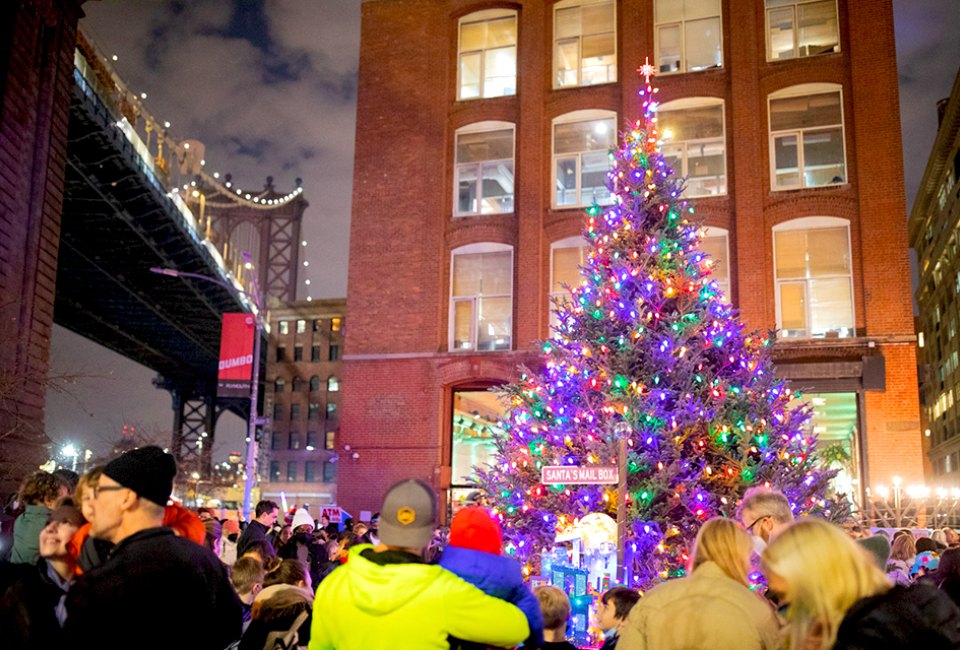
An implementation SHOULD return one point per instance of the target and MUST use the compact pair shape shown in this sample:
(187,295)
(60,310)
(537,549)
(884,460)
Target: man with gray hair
(764,513)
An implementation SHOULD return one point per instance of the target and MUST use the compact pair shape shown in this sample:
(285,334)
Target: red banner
(568,474)
(236,355)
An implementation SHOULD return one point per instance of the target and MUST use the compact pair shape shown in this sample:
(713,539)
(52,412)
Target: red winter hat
(474,528)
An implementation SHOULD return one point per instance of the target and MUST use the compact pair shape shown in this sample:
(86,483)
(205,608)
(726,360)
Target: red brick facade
(37,39)
(399,373)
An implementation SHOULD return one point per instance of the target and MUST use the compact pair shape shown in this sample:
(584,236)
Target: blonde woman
(902,553)
(710,608)
(837,597)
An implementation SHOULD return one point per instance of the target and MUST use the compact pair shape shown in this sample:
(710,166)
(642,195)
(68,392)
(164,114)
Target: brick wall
(34,114)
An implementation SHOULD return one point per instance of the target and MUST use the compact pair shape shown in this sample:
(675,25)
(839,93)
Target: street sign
(572,475)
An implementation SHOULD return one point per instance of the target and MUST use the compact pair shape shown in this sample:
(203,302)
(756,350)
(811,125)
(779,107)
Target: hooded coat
(368,605)
(26,534)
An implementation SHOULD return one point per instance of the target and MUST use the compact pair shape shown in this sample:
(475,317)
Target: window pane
(292,471)
(315,353)
(668,48)
(793,318)
(716,248)
(668,11)
(597,19)
(501,31)
(566,181)
(692,123)
(594,168)
(329,440)
(476,415)
(463,324)
(706,169)
(805,111)
(274,471)
(497,189)
(831,305)
(301,326)
(703,44)
(284,327)
(673,154)
(309,471)
(467,188)
(591,135)
(473,36)
(823,157)
(828,251)
(790,248)
(700,8)
(568,63)
(781,33)
(818,28)
(786,161)
(500,72)
(329,472)
(494,323)
(294,440)
(482,273)
(333,384)
(566,262)
(469,76)
(599,64)
(275,440)
(485,145)
(567,22)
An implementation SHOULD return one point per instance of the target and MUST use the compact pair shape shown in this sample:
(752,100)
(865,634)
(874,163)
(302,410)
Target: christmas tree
(647,350)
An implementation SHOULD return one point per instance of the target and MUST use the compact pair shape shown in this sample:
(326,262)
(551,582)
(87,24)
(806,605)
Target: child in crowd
(615,605)
(555,609)
(474,554)
(246,576)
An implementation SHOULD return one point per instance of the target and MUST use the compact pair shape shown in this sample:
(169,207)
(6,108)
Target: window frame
(473,249)
(804,90)
(577,117)
(796,31)
(569,4)
(808,224)
(688,103)
(486,15)
(657,25)
(486,126)
(715,232)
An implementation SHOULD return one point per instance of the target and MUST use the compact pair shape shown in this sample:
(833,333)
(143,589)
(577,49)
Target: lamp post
(251,461)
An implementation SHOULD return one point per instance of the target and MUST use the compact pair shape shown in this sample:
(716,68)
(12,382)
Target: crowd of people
(106,560)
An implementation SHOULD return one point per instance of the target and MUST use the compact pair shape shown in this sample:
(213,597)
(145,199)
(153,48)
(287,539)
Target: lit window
(333,384)
(488,54)
(301,326)
(585,39)
(483,182)
(797,28)
(481,297)
(284,327)
(329,441)
(813,277)
(336,324)
(695,145)
(566,258)
(688,35)
(476,417)
(331,410)
(313,410)
(716,244)
(806,137)
(582,141)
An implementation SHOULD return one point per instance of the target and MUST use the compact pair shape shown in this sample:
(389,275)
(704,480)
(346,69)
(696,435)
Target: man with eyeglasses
(153,581)
(764,513)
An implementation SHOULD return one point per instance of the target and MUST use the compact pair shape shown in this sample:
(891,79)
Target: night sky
(270,88)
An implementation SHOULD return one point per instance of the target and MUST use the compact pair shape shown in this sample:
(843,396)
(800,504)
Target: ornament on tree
(647,349)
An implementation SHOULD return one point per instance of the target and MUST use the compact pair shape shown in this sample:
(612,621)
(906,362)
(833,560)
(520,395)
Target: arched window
(798,28)
(814,278)
(688,35)
(582,141)
(483,178)
(314,383)
(278,385)
(296,385)
(487,54)
(806,137)
(694,143)
(585,43)
(333,384)
(481,297)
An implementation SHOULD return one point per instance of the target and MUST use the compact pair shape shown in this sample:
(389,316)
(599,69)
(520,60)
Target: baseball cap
(408,514)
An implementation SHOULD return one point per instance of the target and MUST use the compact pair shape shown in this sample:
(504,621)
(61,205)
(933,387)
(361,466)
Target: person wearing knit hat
(32,596)
(228,541)
(303,546)
(387,597)
(152,575)
(474,554)
(879,548)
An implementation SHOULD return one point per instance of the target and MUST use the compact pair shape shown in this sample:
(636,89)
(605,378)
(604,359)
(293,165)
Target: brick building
(934,224)
(483,132)
(302,400)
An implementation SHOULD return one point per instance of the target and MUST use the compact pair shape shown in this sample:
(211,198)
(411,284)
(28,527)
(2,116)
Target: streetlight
(251,463)
(70,451)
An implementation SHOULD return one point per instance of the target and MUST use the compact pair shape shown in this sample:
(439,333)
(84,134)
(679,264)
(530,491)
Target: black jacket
(311,552)
(904,618)
(255,531)
(157,591)
(28,598)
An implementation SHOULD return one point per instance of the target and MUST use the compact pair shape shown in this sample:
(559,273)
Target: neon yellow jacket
(366,606)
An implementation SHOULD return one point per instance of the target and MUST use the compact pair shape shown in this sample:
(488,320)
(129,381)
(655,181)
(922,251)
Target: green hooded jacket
(364,605)
(26,534)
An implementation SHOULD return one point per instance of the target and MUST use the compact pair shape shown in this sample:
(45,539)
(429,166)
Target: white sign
(569,474)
